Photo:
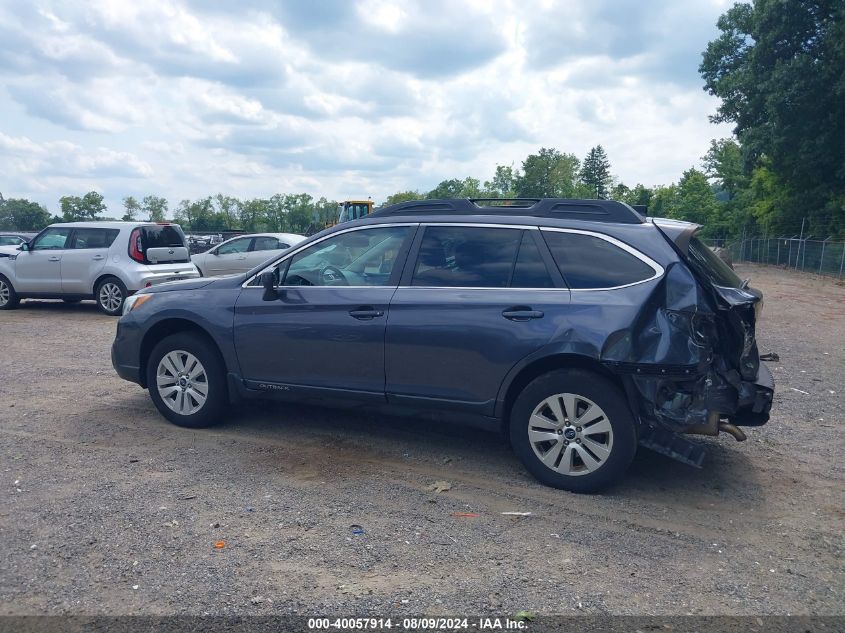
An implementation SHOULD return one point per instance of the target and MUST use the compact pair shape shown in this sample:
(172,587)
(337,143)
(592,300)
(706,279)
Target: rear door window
(587,261)
(267,243)
(466,257)
(94,238)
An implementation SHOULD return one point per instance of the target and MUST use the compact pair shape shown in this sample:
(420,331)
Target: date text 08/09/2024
(417,624)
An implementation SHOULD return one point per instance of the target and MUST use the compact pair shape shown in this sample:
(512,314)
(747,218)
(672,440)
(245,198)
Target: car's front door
(325,331)
(475,301)
(229,258)
(38,270)
(84,258)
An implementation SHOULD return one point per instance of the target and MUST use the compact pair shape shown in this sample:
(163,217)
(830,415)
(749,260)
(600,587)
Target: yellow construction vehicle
(352,210)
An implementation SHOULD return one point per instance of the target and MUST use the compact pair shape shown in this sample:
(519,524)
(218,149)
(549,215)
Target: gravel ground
(109,509)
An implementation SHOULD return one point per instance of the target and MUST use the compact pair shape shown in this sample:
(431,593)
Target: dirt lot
(109,509)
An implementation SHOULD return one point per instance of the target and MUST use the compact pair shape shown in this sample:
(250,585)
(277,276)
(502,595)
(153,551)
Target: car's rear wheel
(187,381)
(110,295)
(8,297)
(572,429)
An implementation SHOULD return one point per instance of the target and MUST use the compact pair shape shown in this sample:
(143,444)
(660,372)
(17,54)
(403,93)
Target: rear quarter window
(587,261)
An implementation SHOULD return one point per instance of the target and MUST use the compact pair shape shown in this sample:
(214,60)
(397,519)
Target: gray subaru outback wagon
(580,328)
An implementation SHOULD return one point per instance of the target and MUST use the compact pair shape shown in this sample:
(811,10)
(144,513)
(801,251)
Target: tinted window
(94,238)
(530,270)
(586,261)
(267,244)
(51,239)
(356,258)
(705,260)
(462,256)
(235,246)
(162,236)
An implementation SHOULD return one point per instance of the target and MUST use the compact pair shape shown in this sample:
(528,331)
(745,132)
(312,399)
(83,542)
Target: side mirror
(24,246)
(268,280)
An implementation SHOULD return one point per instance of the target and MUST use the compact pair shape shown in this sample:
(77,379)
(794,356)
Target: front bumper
(125,351)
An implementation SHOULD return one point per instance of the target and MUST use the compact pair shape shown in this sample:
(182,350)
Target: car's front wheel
(572,429)
(110,295)
(187,381)
(8,297)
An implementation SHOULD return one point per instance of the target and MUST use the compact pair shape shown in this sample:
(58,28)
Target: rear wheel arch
(545,365)
(165,328)
(101,278)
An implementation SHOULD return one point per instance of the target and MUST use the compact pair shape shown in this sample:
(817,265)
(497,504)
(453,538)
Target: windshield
(717,271)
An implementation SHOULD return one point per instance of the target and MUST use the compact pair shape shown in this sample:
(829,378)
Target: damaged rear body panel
(689,357)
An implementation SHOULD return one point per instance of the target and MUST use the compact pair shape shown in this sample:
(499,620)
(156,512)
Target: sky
(185,98)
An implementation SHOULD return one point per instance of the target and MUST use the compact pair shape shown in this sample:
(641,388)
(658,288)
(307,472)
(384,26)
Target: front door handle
(54,259)
(98,258)
(522,313)
(242,257)
(365,313)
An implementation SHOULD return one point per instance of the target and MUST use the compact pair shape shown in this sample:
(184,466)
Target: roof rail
(592,210)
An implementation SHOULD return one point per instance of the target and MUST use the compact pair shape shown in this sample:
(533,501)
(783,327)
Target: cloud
(183,98)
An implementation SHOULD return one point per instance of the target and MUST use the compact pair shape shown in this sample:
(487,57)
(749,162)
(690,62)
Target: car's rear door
(85,256)
(38,270)
(326,329)
(473,302)
(262,249)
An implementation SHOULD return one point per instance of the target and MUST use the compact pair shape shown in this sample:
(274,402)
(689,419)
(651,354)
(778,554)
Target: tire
(71,301)
(9,299)
(110,295)
(173,357)
(585,457)
(199,270)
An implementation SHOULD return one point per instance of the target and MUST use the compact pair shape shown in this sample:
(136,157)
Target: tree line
(778,69)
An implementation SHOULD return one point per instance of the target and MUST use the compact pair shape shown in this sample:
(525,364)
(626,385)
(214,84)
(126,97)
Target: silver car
(243,253)
(104,261)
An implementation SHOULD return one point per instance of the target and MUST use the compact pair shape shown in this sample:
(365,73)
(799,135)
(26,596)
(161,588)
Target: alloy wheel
(5,293)
(182,382)
(570,434)
(110,296)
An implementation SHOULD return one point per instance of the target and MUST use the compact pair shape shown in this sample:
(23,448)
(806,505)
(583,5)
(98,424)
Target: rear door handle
(98,258)
(54,259)
(242,257)
(365,313)
(522,313)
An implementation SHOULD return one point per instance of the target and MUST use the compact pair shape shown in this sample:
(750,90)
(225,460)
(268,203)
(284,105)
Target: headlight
(135,301)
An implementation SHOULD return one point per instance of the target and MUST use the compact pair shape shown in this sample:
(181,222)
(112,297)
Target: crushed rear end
(698,369)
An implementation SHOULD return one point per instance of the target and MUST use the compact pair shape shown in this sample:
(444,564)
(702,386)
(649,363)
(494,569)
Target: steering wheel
(333,276)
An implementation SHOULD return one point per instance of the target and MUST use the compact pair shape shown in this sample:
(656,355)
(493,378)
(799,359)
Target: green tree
(88,207)
(403,196)
(446,189)
(155,208)
(22,215)
(548,174)
(300,212)
(595,172)
(723,164)
(227,209)
(252,214)
(779,70)
(132,208)
(325,211)
(503,183)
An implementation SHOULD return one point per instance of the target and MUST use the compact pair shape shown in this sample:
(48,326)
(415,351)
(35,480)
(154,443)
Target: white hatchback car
(104,261)
(243,253)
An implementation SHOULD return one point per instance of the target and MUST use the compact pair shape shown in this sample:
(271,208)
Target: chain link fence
(823,257)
